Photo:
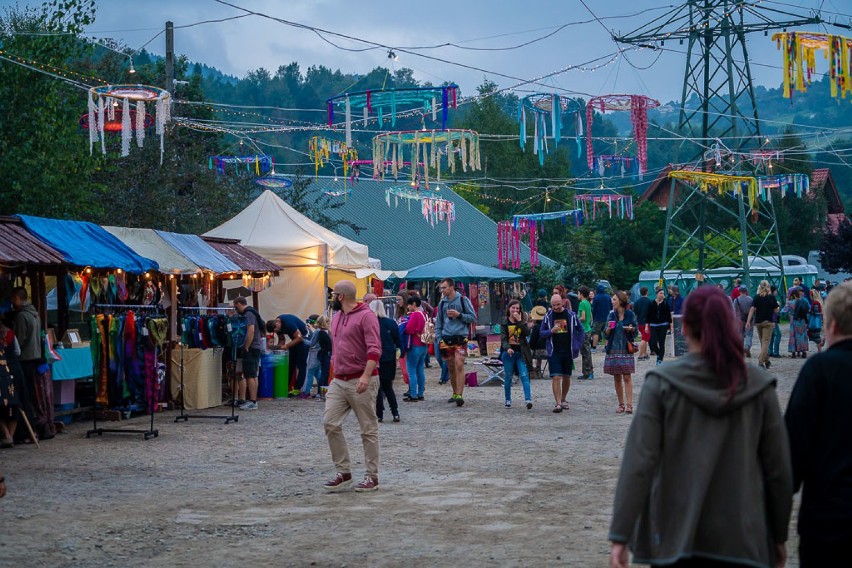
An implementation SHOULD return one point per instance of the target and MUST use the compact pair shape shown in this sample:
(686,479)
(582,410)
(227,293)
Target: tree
(299,198)
(46,165)
(835,250)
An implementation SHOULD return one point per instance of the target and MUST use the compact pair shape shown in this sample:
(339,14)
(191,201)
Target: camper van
(760,268)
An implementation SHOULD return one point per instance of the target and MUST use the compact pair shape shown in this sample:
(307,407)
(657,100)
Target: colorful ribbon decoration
(607,199)
(424,98)
(256,164)
(547,108)
(799,53)
(426,147)
(320,150)
(510,234)
(638,106)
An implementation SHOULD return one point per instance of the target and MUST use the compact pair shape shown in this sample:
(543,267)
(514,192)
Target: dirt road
(479,485)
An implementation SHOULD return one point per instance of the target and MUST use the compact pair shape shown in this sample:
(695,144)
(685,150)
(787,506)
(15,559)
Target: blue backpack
(404,339)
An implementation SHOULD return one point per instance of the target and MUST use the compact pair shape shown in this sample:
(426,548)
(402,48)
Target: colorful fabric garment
(798,342)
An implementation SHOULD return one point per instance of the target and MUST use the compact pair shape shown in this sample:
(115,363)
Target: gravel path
(479,485)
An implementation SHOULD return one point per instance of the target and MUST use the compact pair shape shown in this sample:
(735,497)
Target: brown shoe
(339,482)
(370,483)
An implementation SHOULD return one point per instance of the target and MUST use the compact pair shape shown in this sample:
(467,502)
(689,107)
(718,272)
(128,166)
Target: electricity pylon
(717,103)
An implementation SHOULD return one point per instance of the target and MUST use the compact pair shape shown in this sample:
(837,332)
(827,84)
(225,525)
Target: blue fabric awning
(460,271)
(87,244)
(199,252)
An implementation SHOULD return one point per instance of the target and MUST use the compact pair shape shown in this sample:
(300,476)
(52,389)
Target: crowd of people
(725,501)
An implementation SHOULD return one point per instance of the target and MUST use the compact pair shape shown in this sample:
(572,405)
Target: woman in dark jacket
(389,331)
(706,478)
(515,351)
(659,321)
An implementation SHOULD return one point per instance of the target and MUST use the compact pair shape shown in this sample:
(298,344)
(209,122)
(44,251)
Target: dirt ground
(479,485)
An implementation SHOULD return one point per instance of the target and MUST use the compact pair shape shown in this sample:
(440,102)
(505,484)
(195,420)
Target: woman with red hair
(706,477)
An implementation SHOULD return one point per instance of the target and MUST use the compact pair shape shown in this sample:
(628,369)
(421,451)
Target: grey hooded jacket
(701,476)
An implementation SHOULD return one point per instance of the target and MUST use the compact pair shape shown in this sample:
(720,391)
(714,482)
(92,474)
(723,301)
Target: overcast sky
(241,45)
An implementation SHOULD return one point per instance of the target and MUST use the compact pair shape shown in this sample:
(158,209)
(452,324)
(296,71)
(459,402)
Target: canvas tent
(311,257)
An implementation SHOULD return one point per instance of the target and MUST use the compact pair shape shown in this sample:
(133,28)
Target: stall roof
(87,244)
(197,251)
(147,242)
(19,246)
(245,258)
(459,270)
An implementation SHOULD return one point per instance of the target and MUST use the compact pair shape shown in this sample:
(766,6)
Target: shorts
(251,362)
(560,365)
(450,352)
(645,332)
(597,327)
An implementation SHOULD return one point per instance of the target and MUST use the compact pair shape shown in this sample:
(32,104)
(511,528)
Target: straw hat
(538,313)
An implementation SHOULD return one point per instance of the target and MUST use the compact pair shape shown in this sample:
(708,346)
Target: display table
(202,377)
(75,364)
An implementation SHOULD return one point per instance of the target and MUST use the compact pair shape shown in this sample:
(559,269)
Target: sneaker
(508,404)
(408,398)
(452,399)
(249,406)
(659,362)
(369,484)
(303,396)
(339,482)
(459,400)
(529,405)
(768,363)
(396,418)
(748,354)
(238,402)
(590,376)
(381,419)
(420,398)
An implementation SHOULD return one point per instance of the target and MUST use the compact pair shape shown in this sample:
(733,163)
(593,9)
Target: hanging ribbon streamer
(799,51)
(638,106)
(126,131)
(348,123)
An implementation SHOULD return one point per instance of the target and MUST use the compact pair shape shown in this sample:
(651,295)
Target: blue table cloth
(75,364)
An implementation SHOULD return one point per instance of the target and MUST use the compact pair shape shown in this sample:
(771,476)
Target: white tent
(304,250)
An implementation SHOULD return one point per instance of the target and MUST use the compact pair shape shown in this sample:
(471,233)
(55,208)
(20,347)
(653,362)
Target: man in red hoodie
(355,357)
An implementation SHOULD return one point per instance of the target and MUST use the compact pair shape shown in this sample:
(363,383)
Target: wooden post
(62,303)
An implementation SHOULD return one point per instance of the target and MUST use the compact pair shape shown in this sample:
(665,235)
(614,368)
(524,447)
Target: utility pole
(170,58)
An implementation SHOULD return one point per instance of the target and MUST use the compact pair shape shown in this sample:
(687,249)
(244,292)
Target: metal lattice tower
(717,103)
(717,72)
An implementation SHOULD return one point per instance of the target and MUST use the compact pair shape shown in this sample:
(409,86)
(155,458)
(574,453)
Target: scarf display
(125,359)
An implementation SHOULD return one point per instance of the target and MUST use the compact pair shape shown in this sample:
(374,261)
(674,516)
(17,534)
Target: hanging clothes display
(125,351)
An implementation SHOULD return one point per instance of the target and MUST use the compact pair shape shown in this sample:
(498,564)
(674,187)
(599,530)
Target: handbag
(631,347)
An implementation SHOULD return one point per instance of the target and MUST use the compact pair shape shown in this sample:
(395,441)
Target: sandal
(564,405)
(620,409)
(629,409)
(557,408)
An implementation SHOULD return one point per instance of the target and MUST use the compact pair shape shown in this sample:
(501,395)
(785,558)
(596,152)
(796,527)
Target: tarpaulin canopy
(460,271)
(274,230)
(148,243)
(87,244)
(197,251)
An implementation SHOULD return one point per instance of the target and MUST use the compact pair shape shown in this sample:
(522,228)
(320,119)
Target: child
(319,356)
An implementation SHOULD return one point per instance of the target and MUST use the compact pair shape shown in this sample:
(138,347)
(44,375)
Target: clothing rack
(150,432)
(183,415)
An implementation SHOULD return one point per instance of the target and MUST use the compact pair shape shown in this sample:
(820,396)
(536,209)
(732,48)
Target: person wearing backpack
(742,306)
(415,356)
(251,353)
(452,325)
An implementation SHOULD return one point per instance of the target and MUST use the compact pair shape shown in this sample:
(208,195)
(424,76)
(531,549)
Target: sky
(241,45)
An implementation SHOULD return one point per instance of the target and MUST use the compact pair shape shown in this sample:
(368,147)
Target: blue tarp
(459,270)
(87,244)
(199,252)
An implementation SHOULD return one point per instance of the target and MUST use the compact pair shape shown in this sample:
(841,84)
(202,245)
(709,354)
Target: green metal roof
(403,238)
